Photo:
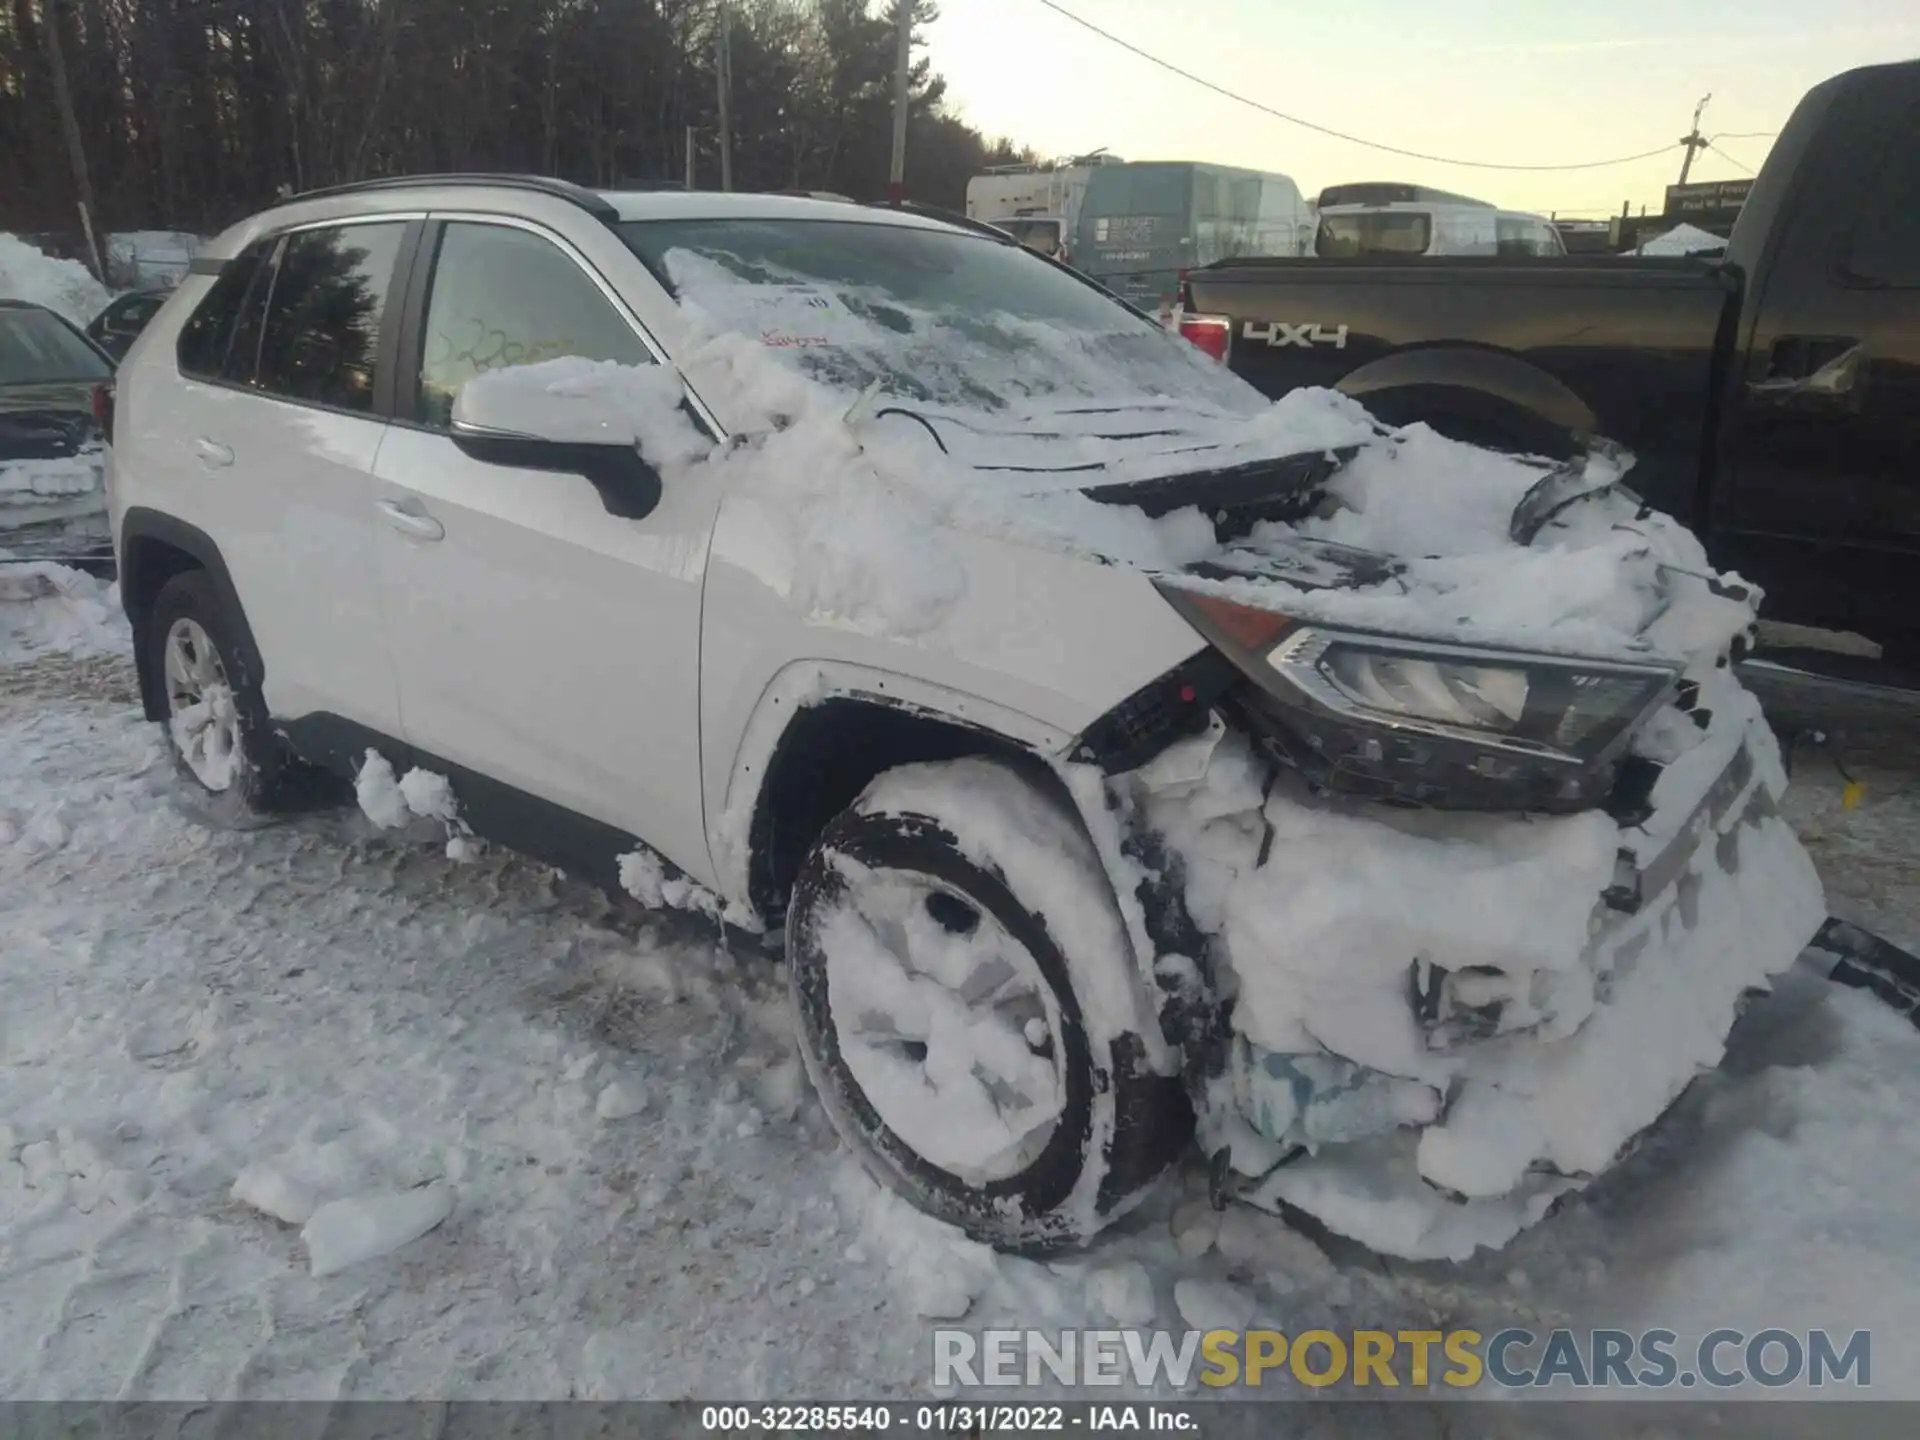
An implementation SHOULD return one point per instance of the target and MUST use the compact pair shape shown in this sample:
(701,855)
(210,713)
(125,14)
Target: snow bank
(63,285)
(49,609)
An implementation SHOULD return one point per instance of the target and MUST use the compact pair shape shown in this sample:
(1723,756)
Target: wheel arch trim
(144,533)
(1494,373)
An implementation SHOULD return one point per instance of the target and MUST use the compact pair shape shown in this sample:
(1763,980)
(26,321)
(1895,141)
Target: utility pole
(1694,140)
(724,68)
(903,62)
(70,127)
(689,157)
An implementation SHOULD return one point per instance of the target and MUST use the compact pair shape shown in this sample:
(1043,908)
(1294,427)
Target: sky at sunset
(1522,82)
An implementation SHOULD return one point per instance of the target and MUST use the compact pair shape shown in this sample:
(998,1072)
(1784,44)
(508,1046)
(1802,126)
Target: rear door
(1821,486)
(540,640)
(267,444)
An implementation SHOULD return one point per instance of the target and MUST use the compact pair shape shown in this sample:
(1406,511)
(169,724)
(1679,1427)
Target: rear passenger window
(505,297)
(1886,240)
(323,318)
(209,347)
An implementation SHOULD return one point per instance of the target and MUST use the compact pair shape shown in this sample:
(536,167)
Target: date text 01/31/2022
(958,1419)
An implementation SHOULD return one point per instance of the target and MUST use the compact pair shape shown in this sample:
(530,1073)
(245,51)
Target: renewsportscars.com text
(1389,1359)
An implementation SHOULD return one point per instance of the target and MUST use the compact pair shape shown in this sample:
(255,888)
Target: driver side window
(504,297)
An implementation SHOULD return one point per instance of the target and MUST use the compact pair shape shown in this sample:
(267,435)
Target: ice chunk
(620,1100)
(1213,1304)
(346,1232)
(1196,1225)
(428,794)
(379,793)
(273,1192)
(1123,1293)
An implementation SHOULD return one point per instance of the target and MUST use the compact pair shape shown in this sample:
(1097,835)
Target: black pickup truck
(1771,397)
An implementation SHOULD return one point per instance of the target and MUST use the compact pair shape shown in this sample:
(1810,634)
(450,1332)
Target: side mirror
(504,419)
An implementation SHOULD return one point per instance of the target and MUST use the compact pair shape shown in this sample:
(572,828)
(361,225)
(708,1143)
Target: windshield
(36,347)
(1520,236)
(941,317)
(1376,232)
(1040,235)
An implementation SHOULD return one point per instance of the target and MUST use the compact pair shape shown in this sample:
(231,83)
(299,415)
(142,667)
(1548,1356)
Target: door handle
(411,523)
(212,452)
(1832,381)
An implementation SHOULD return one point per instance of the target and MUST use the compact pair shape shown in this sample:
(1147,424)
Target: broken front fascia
(1532,1047)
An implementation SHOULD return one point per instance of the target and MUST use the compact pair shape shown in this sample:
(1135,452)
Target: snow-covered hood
(1307,506)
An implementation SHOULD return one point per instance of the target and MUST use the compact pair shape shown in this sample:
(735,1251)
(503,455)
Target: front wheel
(969,1009)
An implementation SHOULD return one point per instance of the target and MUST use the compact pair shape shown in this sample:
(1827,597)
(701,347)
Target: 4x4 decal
(1306,336)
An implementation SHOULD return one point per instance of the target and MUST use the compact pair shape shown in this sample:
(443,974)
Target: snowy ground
(645,1202)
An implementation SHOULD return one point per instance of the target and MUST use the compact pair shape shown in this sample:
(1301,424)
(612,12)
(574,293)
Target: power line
(1737,164)
(1337,134)
(1744,135)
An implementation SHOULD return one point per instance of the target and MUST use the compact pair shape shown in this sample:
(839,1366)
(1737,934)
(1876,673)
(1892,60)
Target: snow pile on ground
(1682,240)
(63,285)
(48,609)
(392,803)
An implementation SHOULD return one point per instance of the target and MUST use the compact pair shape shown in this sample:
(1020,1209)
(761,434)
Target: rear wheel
(216,718)
(969,1010)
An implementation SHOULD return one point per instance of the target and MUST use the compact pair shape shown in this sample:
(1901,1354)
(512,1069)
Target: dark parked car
(1771,397)
(56,396)
(119,325)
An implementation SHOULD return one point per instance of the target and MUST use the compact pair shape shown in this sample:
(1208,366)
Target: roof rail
(950,217)
(591,201)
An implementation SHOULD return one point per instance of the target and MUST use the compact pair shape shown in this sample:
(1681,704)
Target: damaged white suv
(1125,758)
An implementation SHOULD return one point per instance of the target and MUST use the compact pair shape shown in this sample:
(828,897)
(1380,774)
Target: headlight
(1547,705)
(1440,724)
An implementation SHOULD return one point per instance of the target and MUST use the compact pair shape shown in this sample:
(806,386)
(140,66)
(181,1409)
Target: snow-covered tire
(222,743)
(965,870)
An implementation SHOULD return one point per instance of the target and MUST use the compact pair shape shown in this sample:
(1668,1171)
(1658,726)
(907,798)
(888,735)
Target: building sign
(1715,202)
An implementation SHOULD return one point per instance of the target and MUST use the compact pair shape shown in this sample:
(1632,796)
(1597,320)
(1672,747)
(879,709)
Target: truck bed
(1621,347)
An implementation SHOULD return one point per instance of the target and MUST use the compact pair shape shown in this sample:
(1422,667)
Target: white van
(1038,204)
(1376,219)
(1143,224)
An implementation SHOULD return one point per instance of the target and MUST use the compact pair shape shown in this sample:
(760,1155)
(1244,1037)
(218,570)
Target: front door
(538,639)
(1823,500)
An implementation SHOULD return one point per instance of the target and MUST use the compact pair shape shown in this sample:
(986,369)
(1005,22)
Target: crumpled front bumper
(1432,1170)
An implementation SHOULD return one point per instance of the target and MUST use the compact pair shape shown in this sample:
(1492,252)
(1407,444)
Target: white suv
(857,573)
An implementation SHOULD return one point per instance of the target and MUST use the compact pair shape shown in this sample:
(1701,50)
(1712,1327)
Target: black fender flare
(145,537)
(1507,380)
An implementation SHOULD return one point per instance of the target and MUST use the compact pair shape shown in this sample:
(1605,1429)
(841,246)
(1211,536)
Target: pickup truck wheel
(217,728)
(957,962)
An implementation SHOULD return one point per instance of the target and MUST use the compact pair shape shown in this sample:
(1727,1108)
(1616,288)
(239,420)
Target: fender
(803,683)
(1493,373)
(145,538)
